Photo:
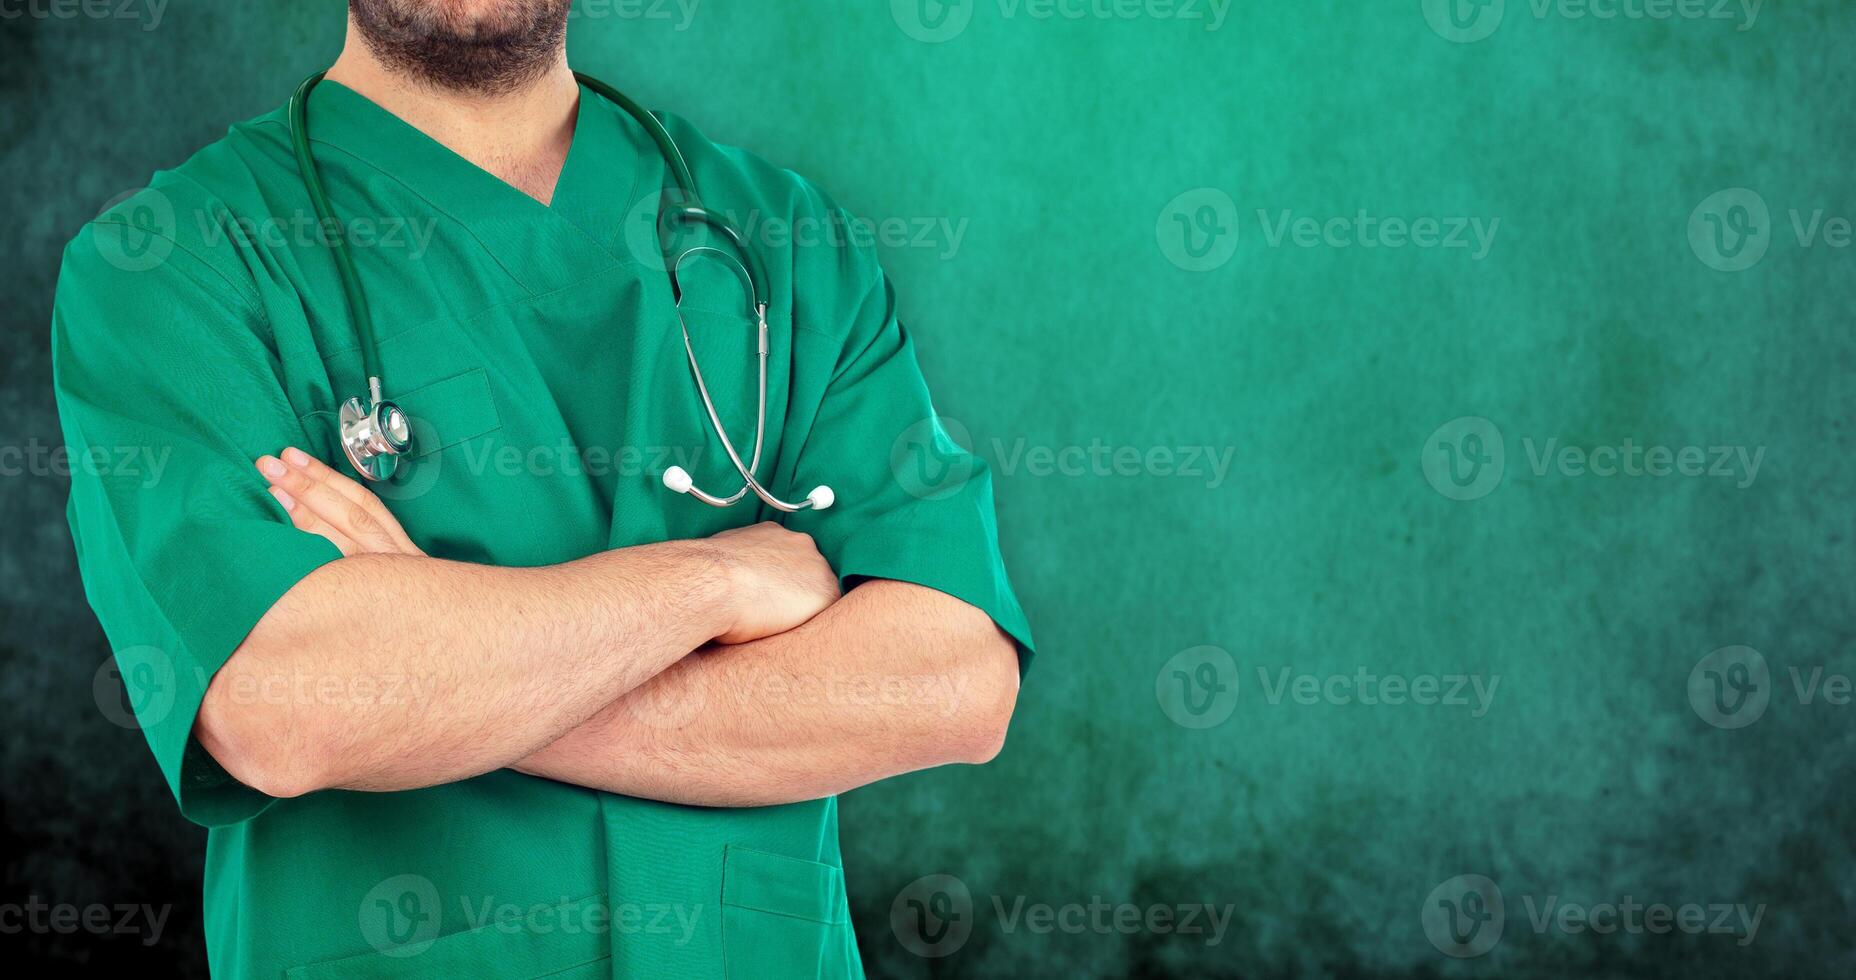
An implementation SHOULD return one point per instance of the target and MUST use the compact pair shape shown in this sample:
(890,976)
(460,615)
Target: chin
(467,19)
(485,46)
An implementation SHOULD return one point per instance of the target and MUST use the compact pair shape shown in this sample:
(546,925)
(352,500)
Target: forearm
(892,678)
(386,672)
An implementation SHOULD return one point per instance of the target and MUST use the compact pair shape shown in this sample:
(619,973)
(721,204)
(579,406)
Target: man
(519,711)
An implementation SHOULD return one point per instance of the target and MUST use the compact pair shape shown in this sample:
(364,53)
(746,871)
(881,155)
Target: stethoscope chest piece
(374,439)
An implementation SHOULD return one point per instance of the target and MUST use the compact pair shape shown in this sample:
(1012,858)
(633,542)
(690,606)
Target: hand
(780,580)
(328,504)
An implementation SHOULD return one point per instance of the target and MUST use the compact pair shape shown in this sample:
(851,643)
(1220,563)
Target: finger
(316,490)
(365,518)
(304,519)
(322,471)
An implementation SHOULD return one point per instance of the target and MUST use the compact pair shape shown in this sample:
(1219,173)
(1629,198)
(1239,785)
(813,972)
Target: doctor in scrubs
(518,711)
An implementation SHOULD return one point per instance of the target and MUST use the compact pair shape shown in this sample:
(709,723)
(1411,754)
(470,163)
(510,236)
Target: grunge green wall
(1098,274)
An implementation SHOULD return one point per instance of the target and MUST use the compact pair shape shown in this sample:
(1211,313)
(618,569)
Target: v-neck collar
(544,246)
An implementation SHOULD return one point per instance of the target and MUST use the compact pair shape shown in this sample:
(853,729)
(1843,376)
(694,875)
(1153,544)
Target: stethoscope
(376,433)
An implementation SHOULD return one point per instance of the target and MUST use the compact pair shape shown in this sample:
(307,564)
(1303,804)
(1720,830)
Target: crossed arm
(890,679)
(721,672)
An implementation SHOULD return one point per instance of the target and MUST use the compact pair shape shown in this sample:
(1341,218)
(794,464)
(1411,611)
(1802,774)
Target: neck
(521,135)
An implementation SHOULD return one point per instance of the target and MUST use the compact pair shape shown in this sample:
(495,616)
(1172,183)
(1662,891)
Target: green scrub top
(201,324)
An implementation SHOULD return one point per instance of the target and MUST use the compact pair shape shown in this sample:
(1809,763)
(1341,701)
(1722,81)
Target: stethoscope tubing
(338,237)
(688,209)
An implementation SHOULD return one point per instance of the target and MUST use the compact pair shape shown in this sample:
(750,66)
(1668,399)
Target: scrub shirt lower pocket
(784,917)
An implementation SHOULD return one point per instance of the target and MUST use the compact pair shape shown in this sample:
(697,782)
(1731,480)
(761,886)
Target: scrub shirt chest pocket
(448,417)
(443,414)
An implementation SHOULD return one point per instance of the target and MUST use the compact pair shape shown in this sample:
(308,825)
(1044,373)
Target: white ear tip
(822,498)
(678,480)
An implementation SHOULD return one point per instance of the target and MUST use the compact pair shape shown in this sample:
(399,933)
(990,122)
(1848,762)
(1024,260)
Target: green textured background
(1061,143)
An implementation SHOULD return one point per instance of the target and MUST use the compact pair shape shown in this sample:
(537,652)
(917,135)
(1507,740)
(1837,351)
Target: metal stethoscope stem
(677,478)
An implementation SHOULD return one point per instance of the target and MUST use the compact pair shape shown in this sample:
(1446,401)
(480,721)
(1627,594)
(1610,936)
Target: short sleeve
(912,504)
(167,392)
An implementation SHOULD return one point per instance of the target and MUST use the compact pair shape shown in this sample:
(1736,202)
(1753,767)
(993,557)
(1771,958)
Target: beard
(483,46)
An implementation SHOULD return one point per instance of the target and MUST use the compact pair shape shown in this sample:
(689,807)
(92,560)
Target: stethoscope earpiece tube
(677,478)
(375,433)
